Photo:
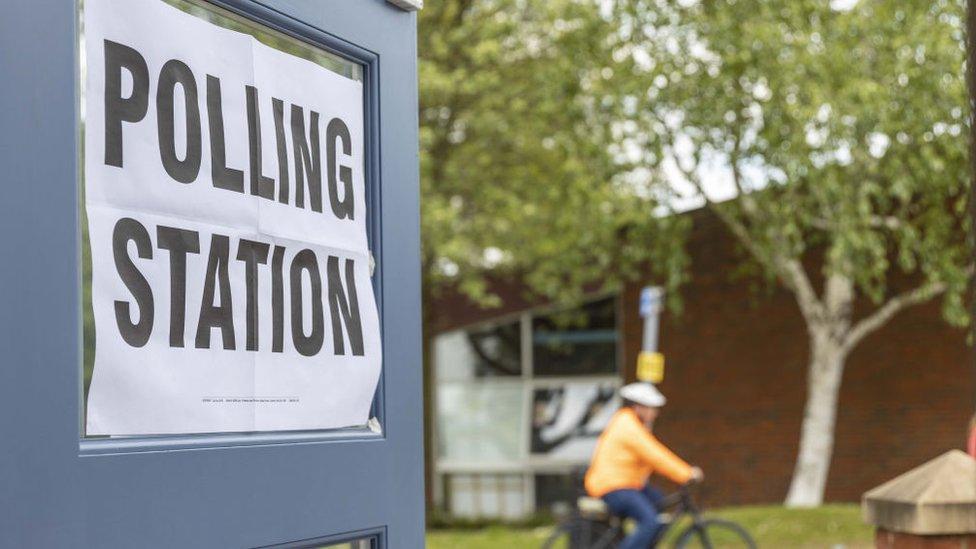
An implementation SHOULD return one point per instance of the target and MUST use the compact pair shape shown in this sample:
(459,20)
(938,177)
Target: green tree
(521,168)
(842,128)
(519,173)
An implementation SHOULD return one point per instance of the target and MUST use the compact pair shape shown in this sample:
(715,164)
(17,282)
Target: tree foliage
(842,125)
(521,171)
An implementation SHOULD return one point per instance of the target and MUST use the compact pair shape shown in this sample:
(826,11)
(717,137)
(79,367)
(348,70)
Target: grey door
(312,488)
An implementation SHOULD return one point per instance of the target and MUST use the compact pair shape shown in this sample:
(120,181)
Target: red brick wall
(735,380)
(451,310)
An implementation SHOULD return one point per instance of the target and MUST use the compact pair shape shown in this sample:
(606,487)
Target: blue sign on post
(650,300)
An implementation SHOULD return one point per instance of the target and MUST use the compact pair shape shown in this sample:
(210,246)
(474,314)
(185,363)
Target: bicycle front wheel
(715,534)
(582,534)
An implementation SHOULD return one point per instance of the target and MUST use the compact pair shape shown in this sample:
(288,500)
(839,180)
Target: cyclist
(626,455)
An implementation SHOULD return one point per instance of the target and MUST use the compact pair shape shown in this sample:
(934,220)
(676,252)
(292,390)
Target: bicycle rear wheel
(715,534)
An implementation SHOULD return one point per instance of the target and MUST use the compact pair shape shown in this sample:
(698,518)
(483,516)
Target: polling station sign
(225,201)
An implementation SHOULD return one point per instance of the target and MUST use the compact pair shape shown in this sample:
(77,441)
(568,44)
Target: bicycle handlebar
(681,496)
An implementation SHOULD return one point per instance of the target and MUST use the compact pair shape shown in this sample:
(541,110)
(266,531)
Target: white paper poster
(225,196)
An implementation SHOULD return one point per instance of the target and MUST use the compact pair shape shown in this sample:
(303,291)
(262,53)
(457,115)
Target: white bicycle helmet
(643,393)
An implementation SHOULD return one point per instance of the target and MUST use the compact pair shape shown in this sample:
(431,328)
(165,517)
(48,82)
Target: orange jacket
(627,454)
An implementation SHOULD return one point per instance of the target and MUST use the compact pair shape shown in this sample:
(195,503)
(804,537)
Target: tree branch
(788,270)
(883,314)
(889,222)
(749,205)
(806,297)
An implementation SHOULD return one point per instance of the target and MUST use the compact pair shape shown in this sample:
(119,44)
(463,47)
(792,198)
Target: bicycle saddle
(592,507)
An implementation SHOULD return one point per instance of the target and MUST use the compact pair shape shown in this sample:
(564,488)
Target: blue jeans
(640,505)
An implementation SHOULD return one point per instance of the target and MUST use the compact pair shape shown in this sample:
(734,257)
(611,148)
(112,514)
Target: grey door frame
(297,489)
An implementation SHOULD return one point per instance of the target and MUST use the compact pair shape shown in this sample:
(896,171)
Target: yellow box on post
(650,367)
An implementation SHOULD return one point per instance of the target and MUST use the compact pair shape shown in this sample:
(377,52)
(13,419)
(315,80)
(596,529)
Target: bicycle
(592,526)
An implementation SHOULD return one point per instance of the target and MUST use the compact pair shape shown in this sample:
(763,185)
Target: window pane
(480,422)
(486,496)
(568,419)
(578,342)
(222,18)
(269,37)
(484,352)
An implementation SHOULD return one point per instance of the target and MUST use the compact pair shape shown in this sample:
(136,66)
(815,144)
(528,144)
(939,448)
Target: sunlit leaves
(519,100)
(858,107)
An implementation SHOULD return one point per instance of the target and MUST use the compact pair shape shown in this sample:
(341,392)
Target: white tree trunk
(825,371)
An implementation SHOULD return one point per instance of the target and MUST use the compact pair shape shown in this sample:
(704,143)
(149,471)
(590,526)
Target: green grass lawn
(828,527)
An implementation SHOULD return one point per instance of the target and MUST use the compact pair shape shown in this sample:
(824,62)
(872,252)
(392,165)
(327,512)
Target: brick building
(735,380)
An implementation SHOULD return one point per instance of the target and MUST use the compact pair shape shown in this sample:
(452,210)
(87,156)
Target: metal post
(650,363)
